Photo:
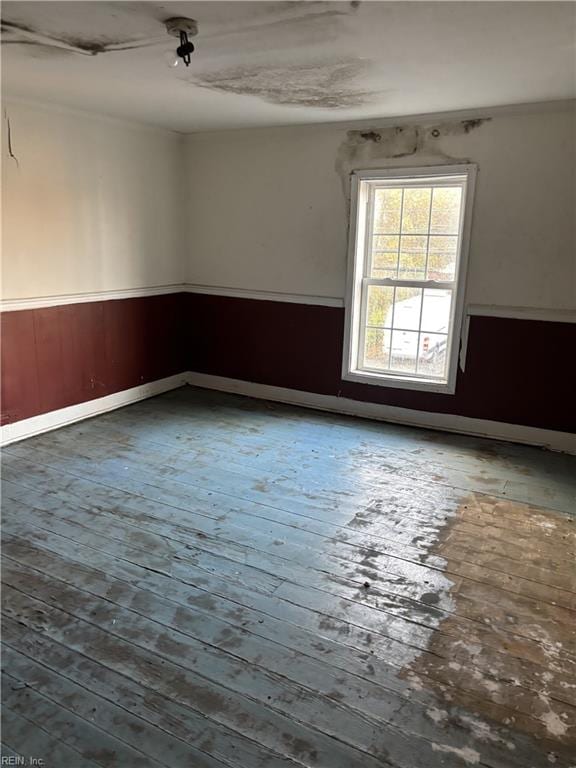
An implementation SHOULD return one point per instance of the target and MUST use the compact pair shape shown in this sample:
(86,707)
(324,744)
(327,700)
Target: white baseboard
(547,438)
(45,422)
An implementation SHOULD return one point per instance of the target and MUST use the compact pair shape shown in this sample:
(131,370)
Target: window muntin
(407,277)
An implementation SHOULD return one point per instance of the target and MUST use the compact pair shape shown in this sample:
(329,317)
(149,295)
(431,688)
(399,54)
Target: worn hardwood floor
(204,580)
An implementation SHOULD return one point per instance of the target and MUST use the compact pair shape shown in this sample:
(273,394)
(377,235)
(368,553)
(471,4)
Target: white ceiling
(280,63)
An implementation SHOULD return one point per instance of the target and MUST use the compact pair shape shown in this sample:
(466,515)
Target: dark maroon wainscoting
(61,356)
(517,371)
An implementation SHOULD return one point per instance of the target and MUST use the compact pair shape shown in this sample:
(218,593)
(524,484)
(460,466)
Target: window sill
(400,382)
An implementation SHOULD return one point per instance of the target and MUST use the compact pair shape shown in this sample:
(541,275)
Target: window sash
(395,282)
(363,230)
(360,363)
(370,233)
(367,281)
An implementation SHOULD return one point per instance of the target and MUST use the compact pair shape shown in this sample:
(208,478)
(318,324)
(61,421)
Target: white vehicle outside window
(408,253)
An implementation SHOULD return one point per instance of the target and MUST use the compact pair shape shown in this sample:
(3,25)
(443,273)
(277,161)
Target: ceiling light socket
(179,24)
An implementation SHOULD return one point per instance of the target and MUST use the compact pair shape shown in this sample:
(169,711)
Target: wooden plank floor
(204,580)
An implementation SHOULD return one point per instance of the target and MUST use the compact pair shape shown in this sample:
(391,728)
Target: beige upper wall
(267,209)
(92,204)
(96,205)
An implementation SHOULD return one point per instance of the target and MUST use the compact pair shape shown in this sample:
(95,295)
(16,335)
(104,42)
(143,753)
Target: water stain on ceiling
(278,52)
(328,84)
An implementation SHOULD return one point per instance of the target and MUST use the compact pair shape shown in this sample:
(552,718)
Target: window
(408,249)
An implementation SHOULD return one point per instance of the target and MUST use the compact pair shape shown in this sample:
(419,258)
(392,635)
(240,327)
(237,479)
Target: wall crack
(9,139)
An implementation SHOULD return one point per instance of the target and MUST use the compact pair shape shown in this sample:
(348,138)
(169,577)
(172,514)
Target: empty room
(288,384)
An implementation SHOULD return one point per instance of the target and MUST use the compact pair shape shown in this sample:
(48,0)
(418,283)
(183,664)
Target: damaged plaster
(374,147)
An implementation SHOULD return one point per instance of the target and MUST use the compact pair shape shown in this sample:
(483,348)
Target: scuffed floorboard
(203,580)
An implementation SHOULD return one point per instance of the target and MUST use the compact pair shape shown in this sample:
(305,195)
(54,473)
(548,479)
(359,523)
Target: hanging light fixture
(183,29)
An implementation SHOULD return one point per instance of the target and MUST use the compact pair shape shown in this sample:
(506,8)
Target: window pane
(404,351)
(416,210)
(412,264)
(432,358)
(385,256)
(446,204)
(406,313)
(436,311)
(442,257)
(385,265)
(385,243)
(377,348)
(379,307)
(387,206)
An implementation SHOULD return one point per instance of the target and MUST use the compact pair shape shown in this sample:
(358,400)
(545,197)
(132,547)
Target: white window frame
(356,278)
